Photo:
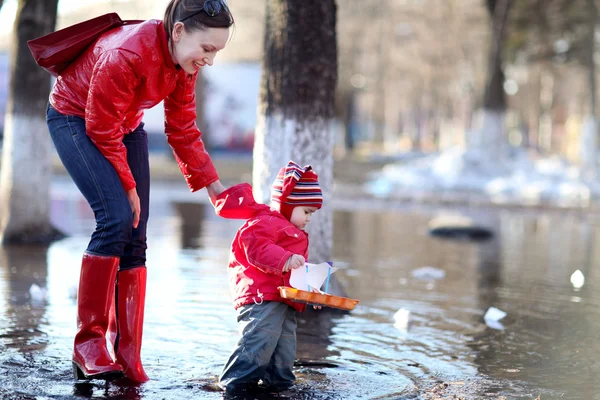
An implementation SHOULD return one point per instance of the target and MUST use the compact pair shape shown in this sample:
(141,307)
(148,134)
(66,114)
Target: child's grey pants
(266,349)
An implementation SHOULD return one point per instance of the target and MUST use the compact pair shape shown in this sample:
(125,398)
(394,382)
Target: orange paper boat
(320,299)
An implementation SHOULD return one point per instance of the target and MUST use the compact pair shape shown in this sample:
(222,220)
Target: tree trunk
(589,134)
(25,175)
(494,97)
(296,105)
(491,136)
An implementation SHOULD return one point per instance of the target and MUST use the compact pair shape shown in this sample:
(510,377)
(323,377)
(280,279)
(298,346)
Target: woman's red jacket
(127,70)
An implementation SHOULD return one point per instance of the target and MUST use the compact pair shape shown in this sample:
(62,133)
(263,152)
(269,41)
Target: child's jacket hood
(237,202)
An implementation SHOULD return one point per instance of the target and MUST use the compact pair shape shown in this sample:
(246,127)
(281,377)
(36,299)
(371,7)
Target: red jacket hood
(237,202)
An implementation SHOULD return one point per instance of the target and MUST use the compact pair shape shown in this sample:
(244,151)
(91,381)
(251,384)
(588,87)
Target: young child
(264,251)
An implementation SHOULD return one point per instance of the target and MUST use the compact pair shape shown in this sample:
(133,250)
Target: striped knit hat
(296,186)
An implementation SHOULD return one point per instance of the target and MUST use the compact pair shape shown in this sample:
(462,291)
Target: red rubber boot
(96,293)
(131,297)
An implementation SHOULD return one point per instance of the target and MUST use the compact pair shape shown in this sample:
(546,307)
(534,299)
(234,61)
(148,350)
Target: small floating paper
(312,275)
(492,318)
(402,319)
(577,279)
(37,293)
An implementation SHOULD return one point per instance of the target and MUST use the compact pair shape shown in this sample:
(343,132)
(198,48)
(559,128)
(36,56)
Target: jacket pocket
(290,232)
(292,239)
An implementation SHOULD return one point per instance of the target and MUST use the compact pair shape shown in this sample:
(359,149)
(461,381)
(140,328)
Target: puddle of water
(548,346)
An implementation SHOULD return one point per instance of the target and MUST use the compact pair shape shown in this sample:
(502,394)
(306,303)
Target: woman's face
(195,49)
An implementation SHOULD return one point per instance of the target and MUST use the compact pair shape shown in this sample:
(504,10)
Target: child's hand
(316,291)
(295,261)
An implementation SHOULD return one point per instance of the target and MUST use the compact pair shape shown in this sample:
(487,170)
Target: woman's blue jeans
(99,183)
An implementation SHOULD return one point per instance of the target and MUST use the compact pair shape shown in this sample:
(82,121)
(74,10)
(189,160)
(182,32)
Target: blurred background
(410,80)
(485,121)
(440,102)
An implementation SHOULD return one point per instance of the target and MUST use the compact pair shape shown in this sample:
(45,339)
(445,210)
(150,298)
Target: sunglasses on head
(211,7)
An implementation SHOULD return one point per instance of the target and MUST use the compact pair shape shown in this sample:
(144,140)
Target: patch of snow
(550,180)
(428,273)
(519,178)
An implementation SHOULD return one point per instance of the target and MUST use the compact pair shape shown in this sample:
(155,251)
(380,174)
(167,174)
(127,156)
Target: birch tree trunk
(26,163)
(491,138)
(296,105)
(589,134)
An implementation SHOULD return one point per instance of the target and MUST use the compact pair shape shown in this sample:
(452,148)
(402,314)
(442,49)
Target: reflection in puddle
(23,268)
(191,220)
(548,346)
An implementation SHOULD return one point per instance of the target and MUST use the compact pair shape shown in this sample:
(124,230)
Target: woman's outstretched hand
(215,189)
(134,202)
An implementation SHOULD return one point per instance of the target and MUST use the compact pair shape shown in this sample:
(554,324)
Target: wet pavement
(547,346)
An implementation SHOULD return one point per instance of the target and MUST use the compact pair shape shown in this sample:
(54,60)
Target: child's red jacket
(260,248)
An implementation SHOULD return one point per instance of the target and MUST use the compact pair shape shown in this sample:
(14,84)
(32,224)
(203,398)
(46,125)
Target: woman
(95,120)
